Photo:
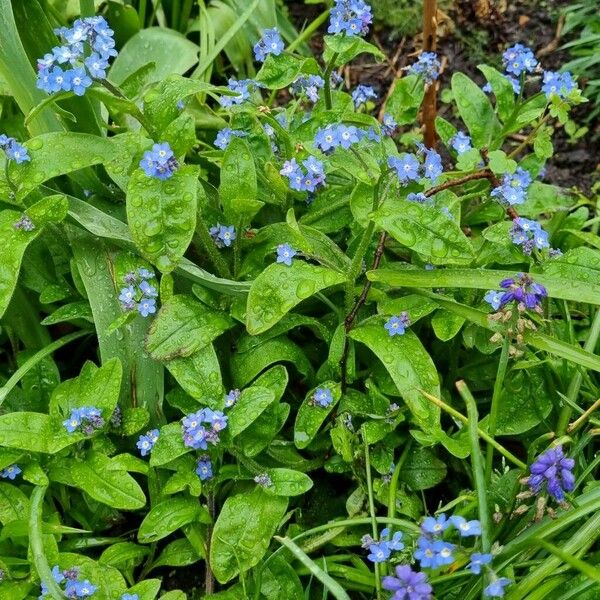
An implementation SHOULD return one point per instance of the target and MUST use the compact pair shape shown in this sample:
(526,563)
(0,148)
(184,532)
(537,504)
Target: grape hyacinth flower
(406,167)
(351,17)
(519,59)
(309,86)
(322,397)
(232,397)
(466,528)
(11,472)
(461,142)
(270,43)
(86,419)
(14,150)
(361,94)
(397,325)
(496,588)
(554,471)
(204,468)
(285,254)
(427,66)
(513,188)
(408,584)
(558,84)
(159,162)
(477,561)
(146,442)
(529,235)
(225,136)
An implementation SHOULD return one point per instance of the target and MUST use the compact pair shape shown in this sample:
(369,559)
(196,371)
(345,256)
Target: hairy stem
(327,77)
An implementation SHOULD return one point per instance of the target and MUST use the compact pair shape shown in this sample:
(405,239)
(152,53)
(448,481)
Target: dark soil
(472,32)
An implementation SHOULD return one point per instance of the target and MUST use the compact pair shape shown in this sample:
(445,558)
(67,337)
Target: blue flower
(516,85)
(559,84)
(87,419)
(146,306)
(130,597)
(477,561)
(427,66)
(327,138)
(397,325)
(361,94)
(145,273)
(232,397)
(216,419)
(513,188)
(300,180)
(127,297)
(417,197)
(308,85)
(73,422)
(529,235)
(379,552)
(96,65)
(388,125)
(10,472)
(79,589)
(435,525)
(271,43)
(222,235)
(242,89)
(146,442)
(496,588)
(322,397)
(14,150)
(432,167)
(195,435)
(461,142)
(519,59)
(263,480)
(433,553)
(406,167)
(351,17)
(204,468)
(466,528)
(348,135)
(159,162)
(225,135)
(408,584)
(285,254)
(148,290)
(494,299)
(396,542)
(554,471)
(80,81)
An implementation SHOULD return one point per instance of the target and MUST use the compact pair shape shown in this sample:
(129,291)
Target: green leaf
(147,589)
(116,488)
(446,325)
(279,581)
(280,288)
(179,553)
(475,110)
(422,469)
(500,163)
(280,71)
(542,144)
(426,230)
(261,432)
(162,215)
(14,504)
(581,263)
(503,91)
(167,517)
(123,554)
(253,401)
(238,189)
(182,327)
(311,416)
(70,312)
(287,482)
(406,98)
(408,364)
(169,445)
(347,48)
(243,532)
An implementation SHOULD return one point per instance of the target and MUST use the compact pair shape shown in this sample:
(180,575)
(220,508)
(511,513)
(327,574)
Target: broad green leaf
(280,288)
(406,98)
(134,419)
(179,553)
(408,364)
(445,130)
(261,432)
(182,480)
(416,306)
(168,516)
(70,312)
(280,582)
(182,327)
(311,416)
(422,469)
(278,72)
(200,376)
(112,487)
(252,402)
(180,134)
(162,215)
(35,432)
(238,189)
(123,553)
(446,325)
(503,91)
(14,504)
(169,445)
(52,209)
(54,154)
(146,590)
(287,482)
(475,110)
(170,52)
(500,163)
(347,48)
(580,263)
(426,230)
(243,532)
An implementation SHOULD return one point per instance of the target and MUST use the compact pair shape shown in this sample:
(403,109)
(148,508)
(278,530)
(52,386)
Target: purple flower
(11,472)
(397,325)
(523,290)
(263,480)
(406,167)
(87,418)
(466,528)
(24,224)
(427,66)
(146,442)
(559,84)
(477,561)
(408,584)
(322,397)
(519,59)
(552,470)
(285,254)
(461,142)
(204,468)
(361,94)
(496,588)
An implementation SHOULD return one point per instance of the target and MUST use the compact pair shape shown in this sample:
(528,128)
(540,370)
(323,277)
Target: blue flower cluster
(309,86)
(263,480)
(408,168)
(232,397)
(307,180)
(408,584)
(159,162)
(351,17)
(322,397)
(361,94)
(225,136)
(381,550)
(529,235)
(13,150)
(11,472)
(334,136)
(196,435)
(521,289)
(242,88)
(397,325)
(24,224)
(461,143)
(270,43)
(139,293)
(222,235)
(147,441)
(92,32)
(285,254)
(559,84)
(519,59)
(513,187)
(73,587)
(86,419)
(427,66)
(204,468)
(553,471)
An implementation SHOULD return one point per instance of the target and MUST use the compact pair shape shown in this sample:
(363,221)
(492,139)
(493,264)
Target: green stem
(495,406)
(37,545)
(307,33)
(375,533)
(575,385)
(395,477)
(35,359)
(142,12)
(209,247)
(237,249)
(477,465)
(327,78)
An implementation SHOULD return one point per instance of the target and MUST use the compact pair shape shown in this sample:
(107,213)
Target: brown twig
(553,45)
(487,174)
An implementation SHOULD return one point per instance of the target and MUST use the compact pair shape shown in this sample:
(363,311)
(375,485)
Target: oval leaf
(311,416)
(168,516)
(252,402)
